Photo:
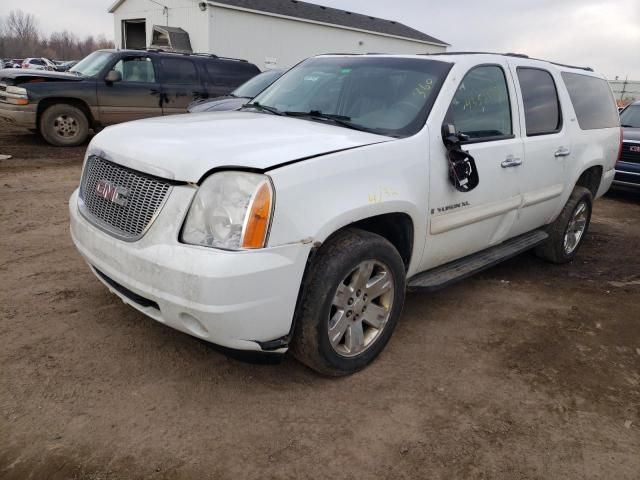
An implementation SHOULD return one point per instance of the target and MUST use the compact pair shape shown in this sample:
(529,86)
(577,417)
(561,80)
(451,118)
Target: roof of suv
(154,51)
(452,56)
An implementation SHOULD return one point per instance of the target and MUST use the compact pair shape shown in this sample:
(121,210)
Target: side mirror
(463,173)
(451,136)
(113,76)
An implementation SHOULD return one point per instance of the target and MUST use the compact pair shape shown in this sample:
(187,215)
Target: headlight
(232,211)
(16,95)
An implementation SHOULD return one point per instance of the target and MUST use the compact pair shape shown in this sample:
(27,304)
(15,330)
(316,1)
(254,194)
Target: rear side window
(592,100)
(541,105)
(179,71)
(481,108)
(229,74)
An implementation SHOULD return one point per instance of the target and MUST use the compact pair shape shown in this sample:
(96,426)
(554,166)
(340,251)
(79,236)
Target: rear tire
(567,233)
(351,301)
(64,125)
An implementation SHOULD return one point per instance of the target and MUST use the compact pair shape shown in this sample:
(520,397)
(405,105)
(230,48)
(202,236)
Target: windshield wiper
(264,108)
(341,120)
(319,114)
(628,126)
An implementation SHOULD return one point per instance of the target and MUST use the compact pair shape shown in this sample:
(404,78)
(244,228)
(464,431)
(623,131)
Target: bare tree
(22,31)
(20,37)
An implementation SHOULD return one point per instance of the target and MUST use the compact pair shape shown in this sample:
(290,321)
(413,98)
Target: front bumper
(19,115)
(627,175)
(237,300)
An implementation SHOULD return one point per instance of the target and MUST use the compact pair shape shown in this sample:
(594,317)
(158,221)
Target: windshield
(630,117)
(257,84)
(386,95)
(92,64)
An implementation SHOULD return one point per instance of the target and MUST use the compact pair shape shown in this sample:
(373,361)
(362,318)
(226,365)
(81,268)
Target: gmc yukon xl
(300,221)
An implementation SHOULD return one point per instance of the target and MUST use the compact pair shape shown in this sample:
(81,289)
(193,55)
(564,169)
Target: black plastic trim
(134,297)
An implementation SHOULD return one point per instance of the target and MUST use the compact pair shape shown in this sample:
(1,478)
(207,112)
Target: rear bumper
(627,175)
(19,115)
(238,300)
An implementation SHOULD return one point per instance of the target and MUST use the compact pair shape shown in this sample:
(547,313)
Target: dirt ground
(527,371)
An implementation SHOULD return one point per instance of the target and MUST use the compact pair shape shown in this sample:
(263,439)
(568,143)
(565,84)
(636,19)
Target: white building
(269,33)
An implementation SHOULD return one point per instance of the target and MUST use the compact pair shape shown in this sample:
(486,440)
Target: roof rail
(516,55)
(213,55)
(195,54)
(210,55)
(587,69)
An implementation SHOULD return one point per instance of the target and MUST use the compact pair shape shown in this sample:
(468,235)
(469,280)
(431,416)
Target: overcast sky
(604,34)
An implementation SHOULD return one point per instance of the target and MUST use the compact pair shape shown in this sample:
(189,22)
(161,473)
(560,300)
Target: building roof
(321,14)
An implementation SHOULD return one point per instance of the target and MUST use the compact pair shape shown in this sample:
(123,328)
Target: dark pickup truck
(114,86)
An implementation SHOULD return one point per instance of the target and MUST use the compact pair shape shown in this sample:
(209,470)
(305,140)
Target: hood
(25,74)
(186,147)
(632,134)
(220,104)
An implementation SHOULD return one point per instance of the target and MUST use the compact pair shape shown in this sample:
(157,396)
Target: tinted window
(179,71)
(480,108)
(37,61)
(592,100)
(229,73)
(136,69)
(540,97)
(630,117)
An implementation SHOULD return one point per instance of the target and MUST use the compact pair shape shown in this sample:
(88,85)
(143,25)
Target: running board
(443,276)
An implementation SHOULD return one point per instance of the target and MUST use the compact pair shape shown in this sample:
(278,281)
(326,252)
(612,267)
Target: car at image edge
(628,168)
(300,221)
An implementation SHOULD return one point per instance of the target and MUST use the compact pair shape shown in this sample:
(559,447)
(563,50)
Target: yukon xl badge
(450,207)
(112,193)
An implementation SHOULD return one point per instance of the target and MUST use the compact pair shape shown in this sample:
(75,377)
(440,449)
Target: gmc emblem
(112,193)
(634,148)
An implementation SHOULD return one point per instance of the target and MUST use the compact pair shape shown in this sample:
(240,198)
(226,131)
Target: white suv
(38,64)
(299,221)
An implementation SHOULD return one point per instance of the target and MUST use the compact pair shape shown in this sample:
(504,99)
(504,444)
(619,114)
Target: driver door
(482,107)
(136,96)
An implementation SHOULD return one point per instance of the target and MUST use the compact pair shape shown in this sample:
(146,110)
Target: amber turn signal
(257,220)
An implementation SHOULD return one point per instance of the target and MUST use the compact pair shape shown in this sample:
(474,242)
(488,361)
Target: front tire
(64,125)
(567,233)
(350,304)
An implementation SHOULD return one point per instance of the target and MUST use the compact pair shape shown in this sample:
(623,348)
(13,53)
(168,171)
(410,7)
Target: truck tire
(64,125)
(351,300)
(568,231)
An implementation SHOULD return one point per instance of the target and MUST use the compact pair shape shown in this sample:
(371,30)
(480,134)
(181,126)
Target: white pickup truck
(299,221)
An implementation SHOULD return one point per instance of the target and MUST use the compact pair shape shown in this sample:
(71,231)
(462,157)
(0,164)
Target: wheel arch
(591,179)
(50,101)
(396,227)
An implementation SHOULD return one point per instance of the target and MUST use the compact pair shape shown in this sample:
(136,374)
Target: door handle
(562,152)
(511,161)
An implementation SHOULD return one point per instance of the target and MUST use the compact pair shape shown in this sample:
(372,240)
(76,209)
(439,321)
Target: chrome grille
(127,216)
(628,155)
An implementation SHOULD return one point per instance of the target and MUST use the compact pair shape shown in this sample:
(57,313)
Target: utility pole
(624,88)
